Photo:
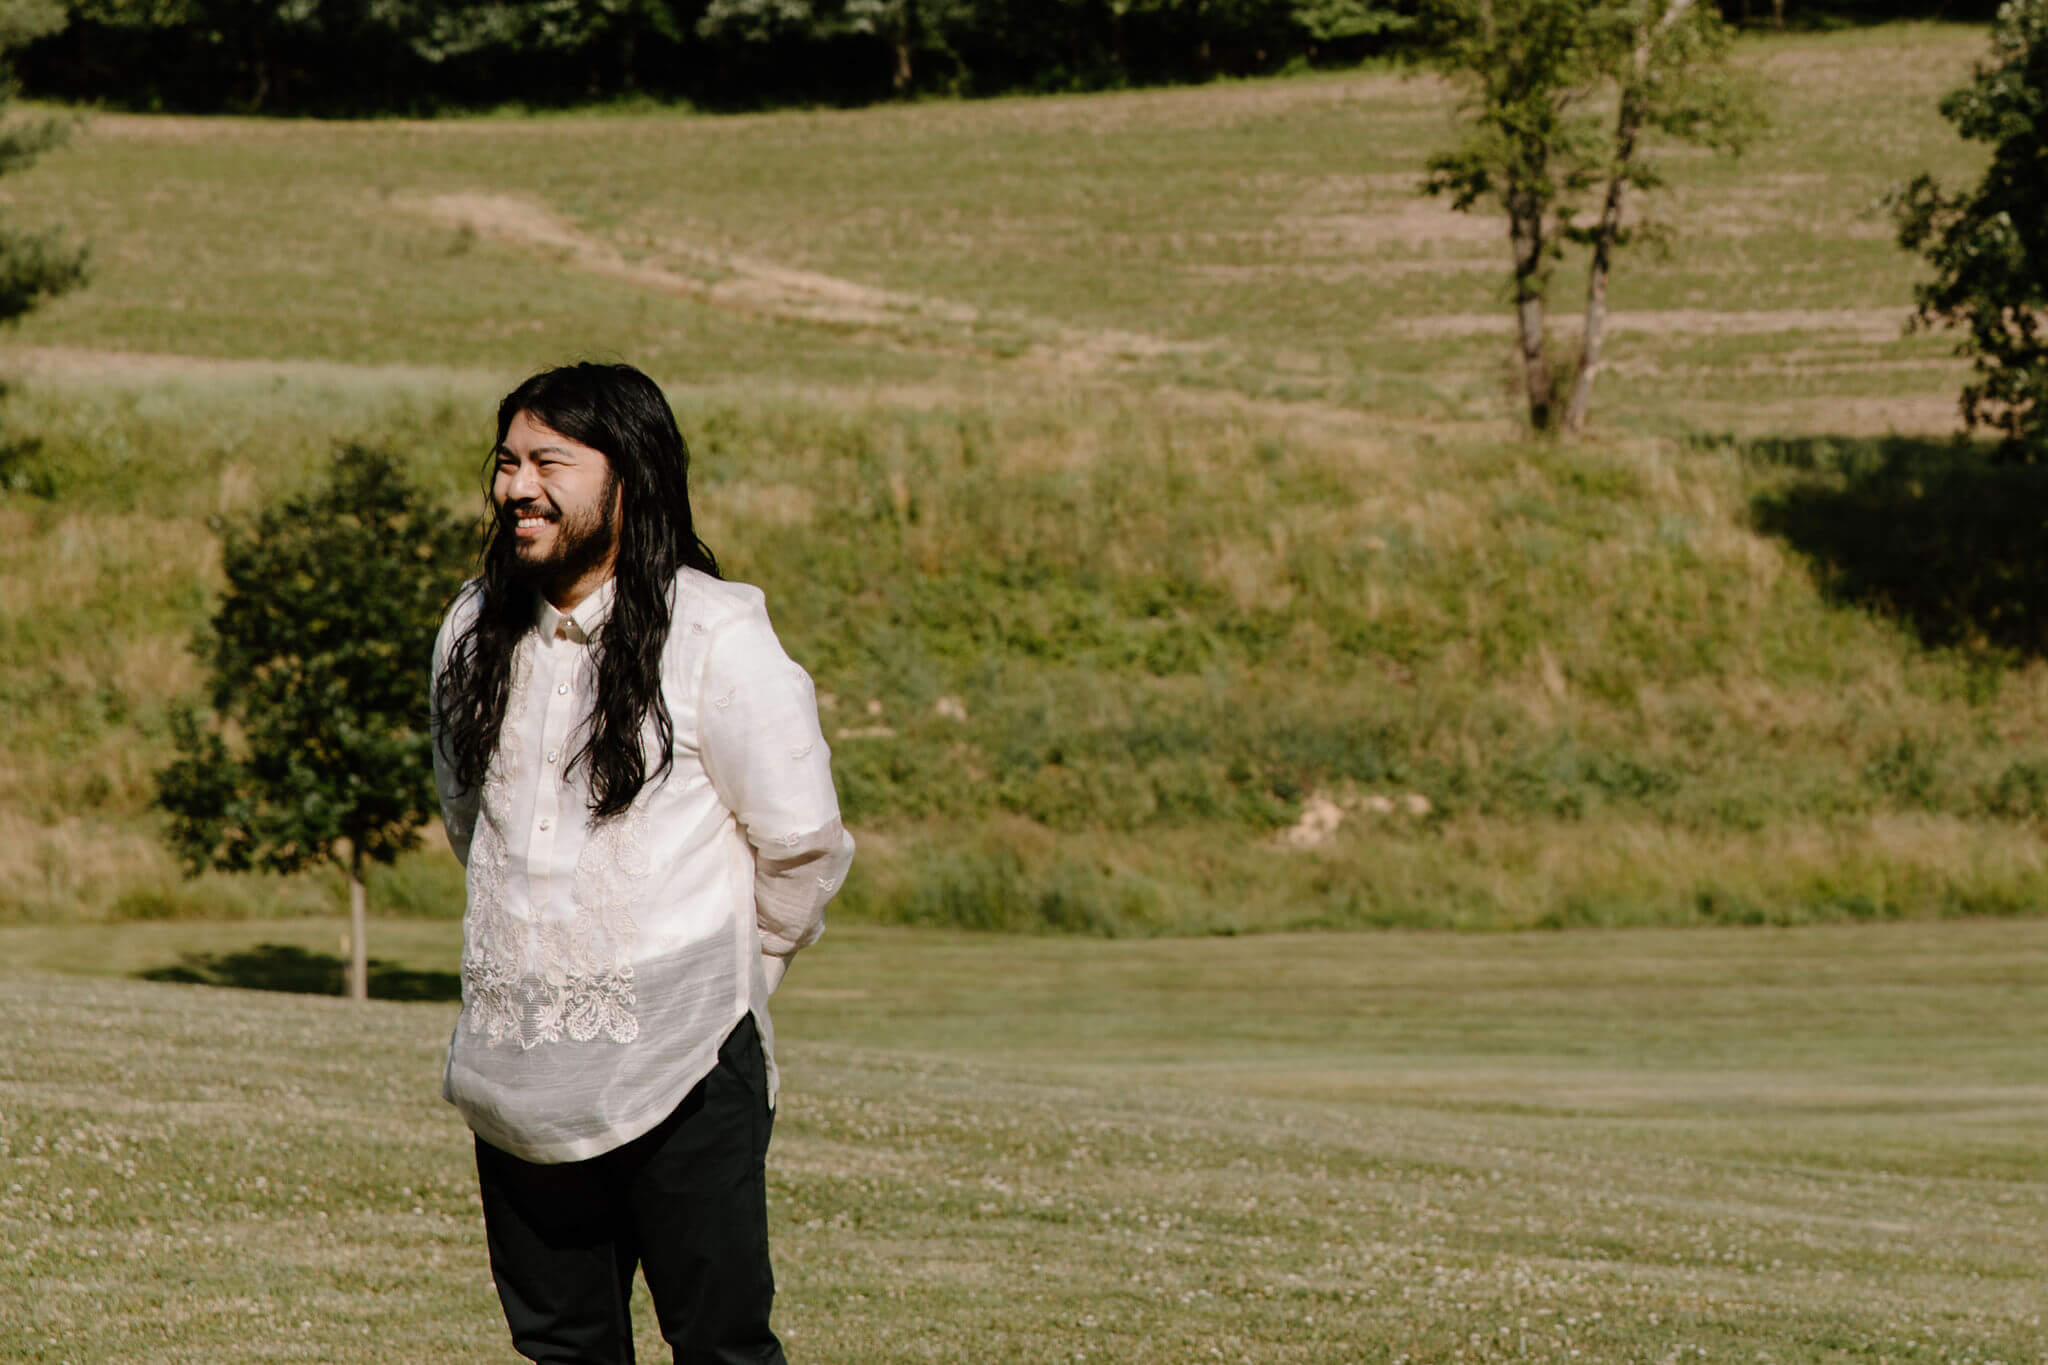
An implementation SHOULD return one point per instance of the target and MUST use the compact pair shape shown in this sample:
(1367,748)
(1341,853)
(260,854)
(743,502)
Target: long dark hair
(619,411)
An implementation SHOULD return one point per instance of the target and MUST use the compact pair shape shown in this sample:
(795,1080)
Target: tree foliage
(24,21)
(364,56)
(1559,98)
(1989,244)
(33,265)
(316,748)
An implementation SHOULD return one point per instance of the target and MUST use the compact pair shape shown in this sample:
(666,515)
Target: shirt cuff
(773,967)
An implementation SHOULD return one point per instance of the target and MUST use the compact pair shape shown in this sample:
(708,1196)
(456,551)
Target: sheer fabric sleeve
(768,760)
(458,803)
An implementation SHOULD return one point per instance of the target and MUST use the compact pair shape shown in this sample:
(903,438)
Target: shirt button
(562,690)
(553,754)
(545,823)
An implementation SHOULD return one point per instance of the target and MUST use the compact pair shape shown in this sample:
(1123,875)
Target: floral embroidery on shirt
(601,938)
(493,953)
(532,981)
(493,956)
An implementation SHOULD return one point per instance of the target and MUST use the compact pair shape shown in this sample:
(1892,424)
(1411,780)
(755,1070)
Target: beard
(582,540)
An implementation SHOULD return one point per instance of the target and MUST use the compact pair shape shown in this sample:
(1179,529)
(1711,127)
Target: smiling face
(558,502)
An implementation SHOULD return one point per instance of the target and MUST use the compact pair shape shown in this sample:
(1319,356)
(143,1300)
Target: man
(632,772)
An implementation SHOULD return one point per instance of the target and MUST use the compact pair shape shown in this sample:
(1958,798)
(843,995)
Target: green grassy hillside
(1139,477)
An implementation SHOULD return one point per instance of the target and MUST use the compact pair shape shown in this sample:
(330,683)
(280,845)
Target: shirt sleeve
(458,803)
(768,761)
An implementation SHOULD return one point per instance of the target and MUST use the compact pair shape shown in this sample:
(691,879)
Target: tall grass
(1087,660)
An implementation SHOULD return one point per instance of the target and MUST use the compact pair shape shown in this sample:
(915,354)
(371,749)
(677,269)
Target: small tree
(1559,98)
(1989,245)
(317,747)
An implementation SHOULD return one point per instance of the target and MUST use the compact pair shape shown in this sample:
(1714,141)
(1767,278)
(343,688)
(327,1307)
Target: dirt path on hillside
(743,284)
(71,365)
(1365,433)
(88,367)
(1863,324)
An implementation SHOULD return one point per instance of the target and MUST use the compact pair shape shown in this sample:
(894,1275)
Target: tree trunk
(1778,14)
(1628,124)
(1628,128)
(261,62)
(1525,228)
(358,930)
(900,78)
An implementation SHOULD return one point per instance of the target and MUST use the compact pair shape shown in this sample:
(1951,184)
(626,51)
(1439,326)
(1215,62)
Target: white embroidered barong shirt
(604,961)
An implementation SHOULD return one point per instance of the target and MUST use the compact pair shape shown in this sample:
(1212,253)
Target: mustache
(513,511)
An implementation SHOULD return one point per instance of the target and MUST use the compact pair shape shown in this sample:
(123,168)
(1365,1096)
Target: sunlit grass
(1087,658)
(1273,227)
(1811,1145)
(1137,474)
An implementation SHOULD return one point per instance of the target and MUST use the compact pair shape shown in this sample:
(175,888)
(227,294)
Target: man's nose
(520,483)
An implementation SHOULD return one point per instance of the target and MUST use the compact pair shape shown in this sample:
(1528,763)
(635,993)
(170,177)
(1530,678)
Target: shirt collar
(581,622)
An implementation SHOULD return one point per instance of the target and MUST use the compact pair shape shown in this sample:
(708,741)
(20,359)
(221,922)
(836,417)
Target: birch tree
(1560,99)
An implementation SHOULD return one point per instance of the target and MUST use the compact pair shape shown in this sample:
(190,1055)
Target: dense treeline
(416,56)
(412,56)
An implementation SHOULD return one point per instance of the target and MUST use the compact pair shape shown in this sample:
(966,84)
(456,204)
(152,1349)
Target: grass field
(1137,474)
(1168,439)
(1800,1145)
(1265,237)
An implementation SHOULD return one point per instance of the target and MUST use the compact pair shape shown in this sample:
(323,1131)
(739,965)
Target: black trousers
(687,1203)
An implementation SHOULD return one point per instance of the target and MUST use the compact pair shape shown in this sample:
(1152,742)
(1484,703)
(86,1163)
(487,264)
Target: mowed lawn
(1263,237)
(1786,1145)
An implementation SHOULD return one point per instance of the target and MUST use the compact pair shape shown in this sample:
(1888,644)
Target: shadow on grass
(283,967)
(1935,533)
